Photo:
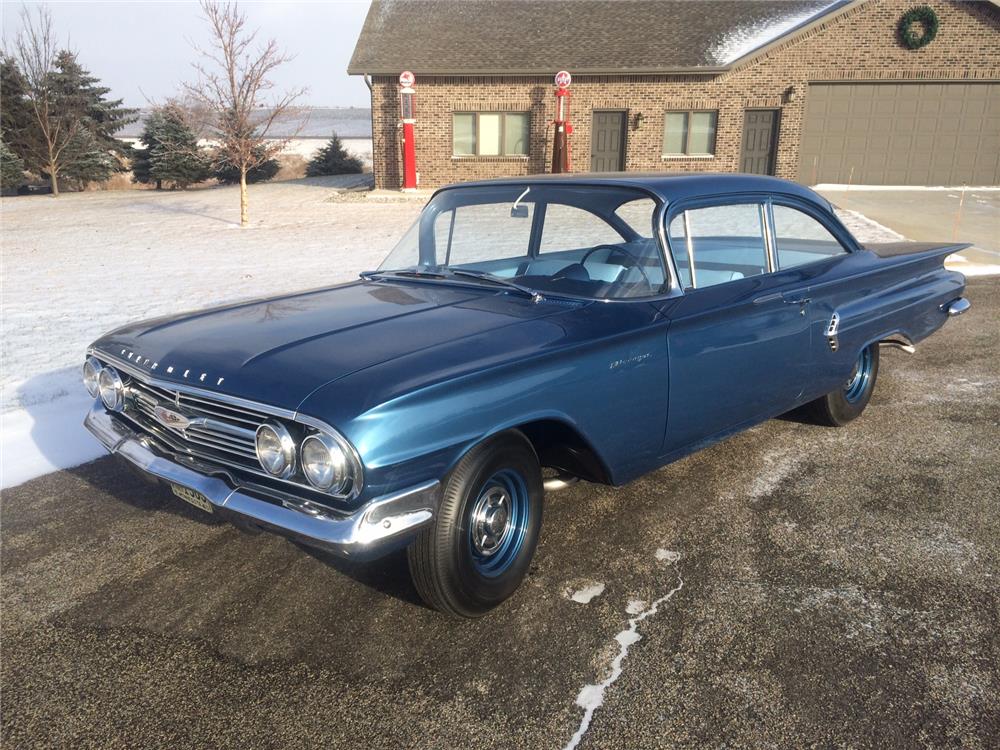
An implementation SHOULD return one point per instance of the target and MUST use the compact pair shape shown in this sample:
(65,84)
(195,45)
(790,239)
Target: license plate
(191,496)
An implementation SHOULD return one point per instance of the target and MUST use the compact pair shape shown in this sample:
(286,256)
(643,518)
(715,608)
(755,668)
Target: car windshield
(563,240)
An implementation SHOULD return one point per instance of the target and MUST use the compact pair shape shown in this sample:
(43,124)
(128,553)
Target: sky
(143,49)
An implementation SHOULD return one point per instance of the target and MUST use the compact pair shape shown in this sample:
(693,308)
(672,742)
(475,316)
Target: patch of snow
(741,41)
(584,595)
(591,697)
(976,269)
(865,229)
(45,437)
(666,555)
(635,606)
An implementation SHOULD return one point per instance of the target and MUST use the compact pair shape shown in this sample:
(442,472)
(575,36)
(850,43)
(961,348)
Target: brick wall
(858,44)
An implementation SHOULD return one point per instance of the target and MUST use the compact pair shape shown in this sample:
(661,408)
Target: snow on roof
(741,40)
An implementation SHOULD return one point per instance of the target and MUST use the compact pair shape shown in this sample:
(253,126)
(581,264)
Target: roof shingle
(493,37)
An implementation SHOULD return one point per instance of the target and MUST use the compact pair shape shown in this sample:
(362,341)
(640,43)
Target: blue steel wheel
(857,384)
(479,547)
(498,522)
(840,406)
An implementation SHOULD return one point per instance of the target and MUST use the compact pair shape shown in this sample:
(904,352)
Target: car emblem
(171,419)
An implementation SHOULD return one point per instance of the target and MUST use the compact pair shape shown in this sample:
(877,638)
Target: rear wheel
(480,545)
(839,407)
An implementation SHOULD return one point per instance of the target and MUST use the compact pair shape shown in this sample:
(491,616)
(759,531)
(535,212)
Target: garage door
(902,134)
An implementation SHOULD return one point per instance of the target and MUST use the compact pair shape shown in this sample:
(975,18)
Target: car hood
(279,350)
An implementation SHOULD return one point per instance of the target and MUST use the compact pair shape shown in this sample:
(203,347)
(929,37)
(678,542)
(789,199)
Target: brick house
(807,90)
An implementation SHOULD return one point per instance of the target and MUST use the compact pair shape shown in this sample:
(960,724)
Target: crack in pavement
(591,697)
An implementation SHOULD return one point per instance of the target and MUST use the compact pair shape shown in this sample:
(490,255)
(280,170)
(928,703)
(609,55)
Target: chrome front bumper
(381,525)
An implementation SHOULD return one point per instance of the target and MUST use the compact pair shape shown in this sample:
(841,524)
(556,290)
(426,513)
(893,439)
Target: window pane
(489,133)
(638,214)
(674,132)
(463,134)
(571,228)
(488,232)
(516,132)
(800,239)
(702,138)
(728,243)
(678,245)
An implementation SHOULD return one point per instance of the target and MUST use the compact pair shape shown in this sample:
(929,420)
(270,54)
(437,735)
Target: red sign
(406,79)
(563,79)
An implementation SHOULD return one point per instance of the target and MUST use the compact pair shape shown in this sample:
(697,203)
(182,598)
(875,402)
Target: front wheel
(479,547)
(839,407)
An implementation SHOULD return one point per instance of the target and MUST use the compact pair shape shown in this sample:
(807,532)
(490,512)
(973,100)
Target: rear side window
(800,239)
(726,243)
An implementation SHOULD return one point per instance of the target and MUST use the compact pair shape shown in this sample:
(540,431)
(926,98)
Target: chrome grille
(216,431)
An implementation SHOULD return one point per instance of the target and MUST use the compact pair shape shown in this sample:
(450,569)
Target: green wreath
(928,20)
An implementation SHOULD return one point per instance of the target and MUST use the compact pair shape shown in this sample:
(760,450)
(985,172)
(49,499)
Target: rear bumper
(378,527)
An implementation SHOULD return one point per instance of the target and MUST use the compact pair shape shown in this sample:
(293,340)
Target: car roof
(670,187)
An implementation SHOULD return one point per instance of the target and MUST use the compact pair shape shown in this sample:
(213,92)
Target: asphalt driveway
(816,587)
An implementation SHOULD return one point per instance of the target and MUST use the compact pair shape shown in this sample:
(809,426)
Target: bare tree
(233,81)
(35,50)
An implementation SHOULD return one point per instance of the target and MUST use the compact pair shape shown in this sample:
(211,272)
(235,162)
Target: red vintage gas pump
(560,142)
(407,115)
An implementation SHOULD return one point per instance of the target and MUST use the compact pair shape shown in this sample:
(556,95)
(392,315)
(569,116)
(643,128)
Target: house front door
(607,142)
(760,135)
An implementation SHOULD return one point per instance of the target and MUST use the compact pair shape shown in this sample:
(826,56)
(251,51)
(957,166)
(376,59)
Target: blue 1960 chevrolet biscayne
(597,326)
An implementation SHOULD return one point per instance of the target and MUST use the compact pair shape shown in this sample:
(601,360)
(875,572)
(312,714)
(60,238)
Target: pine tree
(16,118)
(172,153)
(229,174)
(82,92)
(11,168)
(87,160)
(333,159)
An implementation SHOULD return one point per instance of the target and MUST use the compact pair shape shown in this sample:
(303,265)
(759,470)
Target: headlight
(91,374)
(111,388)
(275,449)
(324,463)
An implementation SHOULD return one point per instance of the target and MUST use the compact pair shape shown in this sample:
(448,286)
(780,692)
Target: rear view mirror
(519,212)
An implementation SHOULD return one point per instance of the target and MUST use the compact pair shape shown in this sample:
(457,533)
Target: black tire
(845,404)
(448,567)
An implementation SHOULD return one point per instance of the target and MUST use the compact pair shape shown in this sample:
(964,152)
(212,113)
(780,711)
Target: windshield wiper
(405,273)
(490,278)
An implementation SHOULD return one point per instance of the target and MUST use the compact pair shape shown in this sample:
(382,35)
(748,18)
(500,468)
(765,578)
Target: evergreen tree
(16,118)
(333,159)
(172,153)
(80,91)
(87,160)
(229,174)
(11,168)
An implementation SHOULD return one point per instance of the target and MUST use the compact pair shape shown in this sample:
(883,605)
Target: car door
(739,339)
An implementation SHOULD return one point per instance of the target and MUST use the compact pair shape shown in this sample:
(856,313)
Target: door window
(800,239)
(725,242)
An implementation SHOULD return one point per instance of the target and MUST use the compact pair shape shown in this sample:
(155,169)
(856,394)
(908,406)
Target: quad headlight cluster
(325,460)
(104,382)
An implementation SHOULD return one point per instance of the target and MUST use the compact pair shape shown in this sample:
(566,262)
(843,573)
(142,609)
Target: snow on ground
(76,266)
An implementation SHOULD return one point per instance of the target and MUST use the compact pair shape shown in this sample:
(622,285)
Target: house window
(490,133)
(689,133)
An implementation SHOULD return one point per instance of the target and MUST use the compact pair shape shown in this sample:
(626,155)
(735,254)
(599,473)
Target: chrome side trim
(378,527)
(956,306)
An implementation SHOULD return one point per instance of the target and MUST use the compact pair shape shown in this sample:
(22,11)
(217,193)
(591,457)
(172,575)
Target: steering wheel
(636,263)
